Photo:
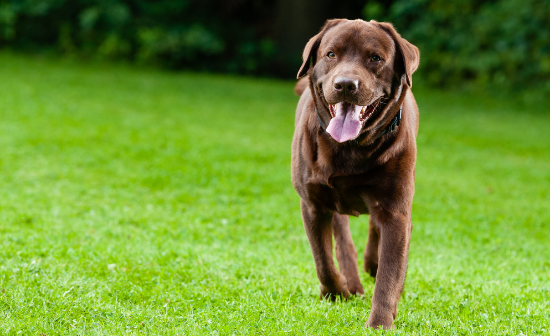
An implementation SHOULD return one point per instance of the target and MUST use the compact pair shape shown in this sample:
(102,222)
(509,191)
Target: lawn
(137,201)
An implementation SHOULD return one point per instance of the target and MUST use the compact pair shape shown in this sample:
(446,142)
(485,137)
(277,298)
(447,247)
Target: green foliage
(177,34)
(503,42)
(485,43)
(143,202)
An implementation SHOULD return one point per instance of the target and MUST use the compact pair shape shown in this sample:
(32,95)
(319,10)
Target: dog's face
(355,68)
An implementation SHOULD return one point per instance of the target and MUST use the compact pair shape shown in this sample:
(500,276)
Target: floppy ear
(310,51)
(409,53)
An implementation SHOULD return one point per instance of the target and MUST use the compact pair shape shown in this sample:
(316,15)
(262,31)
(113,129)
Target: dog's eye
(331,54)
(375,58)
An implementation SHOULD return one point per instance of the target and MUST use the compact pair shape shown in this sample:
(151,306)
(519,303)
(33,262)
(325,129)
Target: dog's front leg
(318,225)
(395,235)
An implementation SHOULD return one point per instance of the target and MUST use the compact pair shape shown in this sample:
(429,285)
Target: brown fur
(371,174)
(301,86)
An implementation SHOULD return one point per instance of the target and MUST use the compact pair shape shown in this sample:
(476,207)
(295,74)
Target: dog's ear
(310,51)
(409,53)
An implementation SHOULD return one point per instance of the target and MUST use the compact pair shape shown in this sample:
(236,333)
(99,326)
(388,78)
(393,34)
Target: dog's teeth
(333,110)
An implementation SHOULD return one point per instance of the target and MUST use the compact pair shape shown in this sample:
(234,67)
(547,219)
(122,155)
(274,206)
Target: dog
(354,152)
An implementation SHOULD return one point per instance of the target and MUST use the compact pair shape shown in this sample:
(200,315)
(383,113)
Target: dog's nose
(346,85)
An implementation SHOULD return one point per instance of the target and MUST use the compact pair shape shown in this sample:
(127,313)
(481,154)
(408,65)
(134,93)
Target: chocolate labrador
(354,152)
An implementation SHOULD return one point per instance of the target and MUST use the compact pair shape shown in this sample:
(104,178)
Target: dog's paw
(379,320)
(332,293)
(355,288)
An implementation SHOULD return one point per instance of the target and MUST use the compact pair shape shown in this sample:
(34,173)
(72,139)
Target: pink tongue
(345,125)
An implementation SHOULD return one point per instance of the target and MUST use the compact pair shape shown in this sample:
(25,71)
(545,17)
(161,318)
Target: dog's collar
(396,121)
(320,121)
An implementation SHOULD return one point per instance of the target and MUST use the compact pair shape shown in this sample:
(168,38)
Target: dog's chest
(345,195)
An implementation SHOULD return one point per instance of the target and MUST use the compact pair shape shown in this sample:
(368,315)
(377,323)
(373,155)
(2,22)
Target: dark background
(504,44)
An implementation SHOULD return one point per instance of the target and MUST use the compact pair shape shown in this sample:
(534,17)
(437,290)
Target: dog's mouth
(348,119)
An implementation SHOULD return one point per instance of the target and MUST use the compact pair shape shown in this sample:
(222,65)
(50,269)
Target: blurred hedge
(487,42)
(498,42)
(201,35)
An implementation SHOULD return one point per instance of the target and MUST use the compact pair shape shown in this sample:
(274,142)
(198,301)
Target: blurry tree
(230,35)
(505,43)
(484,42)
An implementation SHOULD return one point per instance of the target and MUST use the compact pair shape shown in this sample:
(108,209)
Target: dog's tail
(301,85)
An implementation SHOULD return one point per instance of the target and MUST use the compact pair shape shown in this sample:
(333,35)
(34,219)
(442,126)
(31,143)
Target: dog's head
(355,68)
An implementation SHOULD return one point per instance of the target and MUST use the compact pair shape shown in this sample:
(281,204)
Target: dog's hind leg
(346,254)
(371,252)
(317,223)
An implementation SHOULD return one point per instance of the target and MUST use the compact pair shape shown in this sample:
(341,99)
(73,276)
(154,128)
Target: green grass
(135,201)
